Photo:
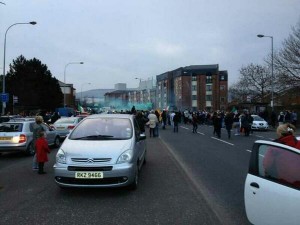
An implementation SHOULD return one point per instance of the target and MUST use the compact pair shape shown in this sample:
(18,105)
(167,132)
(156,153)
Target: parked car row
(16,135)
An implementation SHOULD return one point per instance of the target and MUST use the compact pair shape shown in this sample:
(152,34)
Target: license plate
(89,175)
(5,138)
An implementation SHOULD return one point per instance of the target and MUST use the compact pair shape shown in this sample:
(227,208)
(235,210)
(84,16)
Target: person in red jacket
(282,165)
(42,150)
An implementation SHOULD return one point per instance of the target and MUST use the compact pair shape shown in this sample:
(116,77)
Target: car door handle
(254,184)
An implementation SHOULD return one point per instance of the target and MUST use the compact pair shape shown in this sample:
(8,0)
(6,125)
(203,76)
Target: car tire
(30,149)
(57,142)
(134,184)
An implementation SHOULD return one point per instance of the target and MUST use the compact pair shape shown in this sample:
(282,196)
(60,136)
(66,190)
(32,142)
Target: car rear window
(65,121)
(11,127)
(103,129)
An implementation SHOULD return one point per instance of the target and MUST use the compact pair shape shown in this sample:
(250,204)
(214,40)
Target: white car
(66,124)
(272,186)
(259,123)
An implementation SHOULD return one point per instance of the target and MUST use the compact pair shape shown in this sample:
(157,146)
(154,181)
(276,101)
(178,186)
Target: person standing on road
(142,120)
(164,119)
(245,123)
(152,122)
(195,123)
(218,124)
(176,120)
(281,118)
(294,118)
(42,150)
(228,120)
(37,128)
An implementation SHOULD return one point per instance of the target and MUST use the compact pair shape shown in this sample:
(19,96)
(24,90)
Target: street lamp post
(81,90)
(272,68)
(65,79)
(3,82)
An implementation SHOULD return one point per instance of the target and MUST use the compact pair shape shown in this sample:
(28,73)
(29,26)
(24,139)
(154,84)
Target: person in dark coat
(42,150)
(228,120)
(54,117)
(218,124)
(133,110)
(164,119)
(195,123)
(142,120)
(176,120)
(245,123)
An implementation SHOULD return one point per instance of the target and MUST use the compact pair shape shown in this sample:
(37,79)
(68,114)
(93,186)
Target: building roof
(186,71)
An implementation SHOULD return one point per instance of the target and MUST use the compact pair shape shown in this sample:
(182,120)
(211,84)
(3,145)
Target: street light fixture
(3,82)
(272,78)
(65,79)
(81,90)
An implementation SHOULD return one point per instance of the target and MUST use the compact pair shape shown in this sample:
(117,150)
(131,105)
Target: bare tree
(254,82)
(287,60)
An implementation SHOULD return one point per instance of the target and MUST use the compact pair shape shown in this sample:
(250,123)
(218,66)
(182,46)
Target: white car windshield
(103,129)
(258,118)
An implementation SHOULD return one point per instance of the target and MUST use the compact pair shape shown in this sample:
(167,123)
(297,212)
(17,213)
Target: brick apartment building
(197,87)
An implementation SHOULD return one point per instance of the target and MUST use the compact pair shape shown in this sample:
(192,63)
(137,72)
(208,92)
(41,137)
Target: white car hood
(95,149)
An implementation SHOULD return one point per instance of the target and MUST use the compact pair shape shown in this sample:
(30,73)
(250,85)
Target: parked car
(65,124)
(259,123)
(17,135)
(272,187)
(103,150)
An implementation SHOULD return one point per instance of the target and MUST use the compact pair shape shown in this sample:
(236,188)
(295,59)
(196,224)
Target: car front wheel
(57,142)
(134,184)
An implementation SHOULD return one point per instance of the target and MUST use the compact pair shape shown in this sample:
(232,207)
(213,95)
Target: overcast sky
(119,40)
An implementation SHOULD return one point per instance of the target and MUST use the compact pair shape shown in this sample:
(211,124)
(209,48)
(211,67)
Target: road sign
(4,97)
(15,99)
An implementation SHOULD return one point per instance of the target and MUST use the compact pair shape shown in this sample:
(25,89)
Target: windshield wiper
(95,137)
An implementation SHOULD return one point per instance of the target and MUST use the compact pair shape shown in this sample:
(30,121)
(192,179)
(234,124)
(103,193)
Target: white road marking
(248,150)
(222,141)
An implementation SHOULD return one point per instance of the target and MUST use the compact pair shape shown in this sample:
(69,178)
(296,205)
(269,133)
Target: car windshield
(258,118)
(103,129)
(11,127)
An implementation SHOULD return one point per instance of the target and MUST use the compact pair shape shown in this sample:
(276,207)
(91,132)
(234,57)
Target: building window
(194,78)
(194,97)
(208,98)
(208,87)
(222,87)
(209,79)
(222,99)
(194,87)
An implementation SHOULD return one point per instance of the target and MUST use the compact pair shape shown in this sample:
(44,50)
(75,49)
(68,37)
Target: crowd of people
(238,122)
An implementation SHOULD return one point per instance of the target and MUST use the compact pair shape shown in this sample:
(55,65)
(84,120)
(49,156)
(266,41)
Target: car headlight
(125,156)
(61,157)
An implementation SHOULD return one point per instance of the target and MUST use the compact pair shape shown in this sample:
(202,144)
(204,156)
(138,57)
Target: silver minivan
(103,150)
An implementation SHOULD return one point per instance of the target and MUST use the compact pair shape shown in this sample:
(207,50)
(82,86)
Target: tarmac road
(166,195)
